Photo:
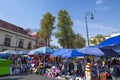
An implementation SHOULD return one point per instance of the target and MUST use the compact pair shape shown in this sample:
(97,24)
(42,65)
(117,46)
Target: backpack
(116,71)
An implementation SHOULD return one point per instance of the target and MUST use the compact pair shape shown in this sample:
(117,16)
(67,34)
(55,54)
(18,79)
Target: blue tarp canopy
(9,52)
(110,41)
(111,44)
(90,50)
(110,53)
(22,52)
(41,50)
(96,51)
(118,51)
(72,53)
(32,52)
(59,52)
(4,56)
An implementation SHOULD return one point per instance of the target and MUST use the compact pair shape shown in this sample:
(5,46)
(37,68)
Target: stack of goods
(53,72)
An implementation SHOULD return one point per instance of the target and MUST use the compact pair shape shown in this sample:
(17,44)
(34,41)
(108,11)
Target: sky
(28,13)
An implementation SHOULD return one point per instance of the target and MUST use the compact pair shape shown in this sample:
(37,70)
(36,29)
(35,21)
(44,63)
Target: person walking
(115,70)
(71,67)
(88,70)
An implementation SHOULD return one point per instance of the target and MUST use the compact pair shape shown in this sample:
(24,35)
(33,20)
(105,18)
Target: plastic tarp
(110,53)
(118,51)
(32,52)
(96,51)
(59,52)
(41,50)
(9,52)
(72,53)
(91,51)
(111,41)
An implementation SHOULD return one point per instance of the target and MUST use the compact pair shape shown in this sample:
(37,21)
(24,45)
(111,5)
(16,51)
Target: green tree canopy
(97,39)
(46,27)
(65,33)
(79,41)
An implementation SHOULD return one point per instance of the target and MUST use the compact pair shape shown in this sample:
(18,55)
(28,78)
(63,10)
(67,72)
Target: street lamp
(91,17)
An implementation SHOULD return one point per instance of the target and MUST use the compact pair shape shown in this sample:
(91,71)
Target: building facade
(38,42)
(106,37)
(13,37)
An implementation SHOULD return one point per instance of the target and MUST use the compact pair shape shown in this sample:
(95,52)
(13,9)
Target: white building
(115,34)
(106,37)
(14,37)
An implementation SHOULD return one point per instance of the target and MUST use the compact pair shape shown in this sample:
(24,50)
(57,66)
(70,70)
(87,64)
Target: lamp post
(91,17)
(89,14)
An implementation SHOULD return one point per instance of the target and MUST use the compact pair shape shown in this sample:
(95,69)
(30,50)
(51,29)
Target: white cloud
(99,1)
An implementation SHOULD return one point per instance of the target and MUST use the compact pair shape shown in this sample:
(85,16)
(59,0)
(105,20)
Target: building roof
(12,27)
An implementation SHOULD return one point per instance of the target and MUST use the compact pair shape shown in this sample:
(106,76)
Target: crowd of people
(85,68)
(27,63)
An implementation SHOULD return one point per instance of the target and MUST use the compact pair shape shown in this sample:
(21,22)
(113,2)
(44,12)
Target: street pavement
(26,76)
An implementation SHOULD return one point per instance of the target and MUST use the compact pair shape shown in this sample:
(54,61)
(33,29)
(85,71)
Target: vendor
(40,64)
(88,70)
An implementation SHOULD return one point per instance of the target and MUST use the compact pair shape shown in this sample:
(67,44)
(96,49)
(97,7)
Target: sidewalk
(26,76)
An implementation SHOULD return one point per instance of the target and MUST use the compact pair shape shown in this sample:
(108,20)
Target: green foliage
(54,47)
(79,41)
(97,39)
(100,38)
(94,41)
(65,32)
(46,28)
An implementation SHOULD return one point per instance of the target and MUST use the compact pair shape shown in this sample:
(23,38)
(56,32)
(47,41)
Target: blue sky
(28,13)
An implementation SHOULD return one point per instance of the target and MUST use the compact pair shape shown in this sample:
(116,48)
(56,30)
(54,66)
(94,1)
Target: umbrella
(114,47)
(72,53)
(59,52)
(110,53)
(9,52)
(3,55)
(22,52)
(96,51)
(32,52)
(118,51)
(91,51)
(41,50)
(111,41)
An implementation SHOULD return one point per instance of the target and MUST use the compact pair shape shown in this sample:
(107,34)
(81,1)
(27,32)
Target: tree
(93,41)
(65,33)
(97,39)
(46,27)
(54,47)
(79,41)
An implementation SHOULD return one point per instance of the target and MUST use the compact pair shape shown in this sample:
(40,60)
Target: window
(7,41)
(20,43)
(29,45)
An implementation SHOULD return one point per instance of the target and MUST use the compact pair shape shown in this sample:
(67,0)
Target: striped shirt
(87,67)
